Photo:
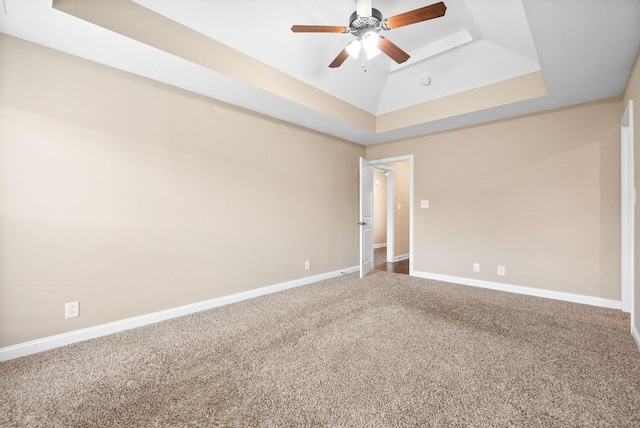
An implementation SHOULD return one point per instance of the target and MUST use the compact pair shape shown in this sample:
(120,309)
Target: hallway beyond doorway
(380,262)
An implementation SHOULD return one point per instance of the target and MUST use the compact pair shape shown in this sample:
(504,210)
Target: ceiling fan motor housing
(363,24)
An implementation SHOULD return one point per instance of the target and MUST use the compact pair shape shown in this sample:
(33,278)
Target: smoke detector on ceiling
(425,80)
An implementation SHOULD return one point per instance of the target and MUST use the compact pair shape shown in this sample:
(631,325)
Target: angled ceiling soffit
(502,93)
(146,26)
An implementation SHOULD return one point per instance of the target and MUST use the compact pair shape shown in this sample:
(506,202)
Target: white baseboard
(538,292)
(401,257)
(636,336)
(384,244)
(51,342)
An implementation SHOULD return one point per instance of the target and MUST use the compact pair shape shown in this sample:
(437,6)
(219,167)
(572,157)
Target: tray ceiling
(483,60)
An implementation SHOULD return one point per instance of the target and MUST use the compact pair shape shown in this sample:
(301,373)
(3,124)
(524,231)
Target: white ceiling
(584,48)
(262,30)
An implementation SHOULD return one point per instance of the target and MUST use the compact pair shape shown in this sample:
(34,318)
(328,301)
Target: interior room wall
(401,196)
(632,92)
(131,196)
(538,194)
(379,208)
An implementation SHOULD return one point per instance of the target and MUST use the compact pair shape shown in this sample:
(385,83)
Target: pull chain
(364,60)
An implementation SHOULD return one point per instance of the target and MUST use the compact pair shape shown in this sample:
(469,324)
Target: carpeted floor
(388,350)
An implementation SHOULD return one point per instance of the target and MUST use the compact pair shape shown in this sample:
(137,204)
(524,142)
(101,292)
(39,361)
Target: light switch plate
(424,204)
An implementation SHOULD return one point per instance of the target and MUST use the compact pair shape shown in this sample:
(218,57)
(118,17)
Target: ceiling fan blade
(393,51)
(319,29)
(342,56)
(363,8)
(413,16)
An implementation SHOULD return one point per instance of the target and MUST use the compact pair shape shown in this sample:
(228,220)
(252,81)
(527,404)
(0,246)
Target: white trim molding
(401,257)
(529,291)
(383,245)
(636,336)
(51,342)
(627,210)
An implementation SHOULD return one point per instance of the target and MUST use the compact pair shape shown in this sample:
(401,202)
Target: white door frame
(405,158)
(628,197)
(391,220)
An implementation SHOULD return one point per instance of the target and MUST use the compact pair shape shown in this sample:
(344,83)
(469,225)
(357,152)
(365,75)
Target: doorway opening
(386,219)
(393,214)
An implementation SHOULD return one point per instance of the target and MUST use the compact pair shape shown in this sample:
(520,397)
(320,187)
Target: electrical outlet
(476,267)
(71,309)
(501,271)
(307,265)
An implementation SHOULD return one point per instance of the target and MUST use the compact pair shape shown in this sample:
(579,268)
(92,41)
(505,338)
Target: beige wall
(632,92)
(379,207)
(538,194)
(401,216)
(401,196)
(132,196)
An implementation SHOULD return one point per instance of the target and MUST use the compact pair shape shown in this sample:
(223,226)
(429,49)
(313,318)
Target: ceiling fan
(365,24)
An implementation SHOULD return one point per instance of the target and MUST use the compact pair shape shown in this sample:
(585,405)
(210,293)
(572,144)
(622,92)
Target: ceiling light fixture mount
(360,25)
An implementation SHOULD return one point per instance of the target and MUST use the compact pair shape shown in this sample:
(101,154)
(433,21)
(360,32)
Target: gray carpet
(389,350)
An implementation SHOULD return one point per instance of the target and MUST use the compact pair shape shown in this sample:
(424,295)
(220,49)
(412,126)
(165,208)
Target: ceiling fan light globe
(353,48)
(372,51)
(370,44)
(369,40)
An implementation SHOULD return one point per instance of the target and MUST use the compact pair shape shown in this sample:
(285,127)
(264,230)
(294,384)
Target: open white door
(366,217)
